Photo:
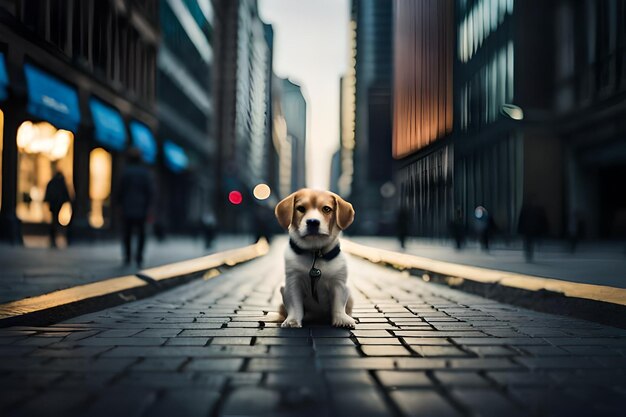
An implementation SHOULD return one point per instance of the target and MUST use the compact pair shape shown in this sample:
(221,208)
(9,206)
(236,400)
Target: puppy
(315,269)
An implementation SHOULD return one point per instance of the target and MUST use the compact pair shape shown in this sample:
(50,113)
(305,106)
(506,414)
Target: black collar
(328,256)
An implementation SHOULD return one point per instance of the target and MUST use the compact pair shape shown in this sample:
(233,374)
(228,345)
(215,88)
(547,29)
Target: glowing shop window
(42,150)
(1,143)
(100,167)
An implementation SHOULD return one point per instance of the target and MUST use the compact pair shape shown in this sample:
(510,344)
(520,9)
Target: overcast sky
(311,48)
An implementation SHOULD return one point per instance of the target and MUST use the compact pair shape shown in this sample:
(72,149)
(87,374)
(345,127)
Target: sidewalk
(25,272)
(215,348)
(590,264)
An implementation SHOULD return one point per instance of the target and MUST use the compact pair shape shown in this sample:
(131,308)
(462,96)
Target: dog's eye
(326,209)
(301,209)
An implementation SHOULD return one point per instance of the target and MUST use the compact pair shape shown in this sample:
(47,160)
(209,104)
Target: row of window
(480,19)
(482,97)
(177,41)
(94,35)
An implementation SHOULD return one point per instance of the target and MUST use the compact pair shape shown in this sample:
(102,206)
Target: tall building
(347,121)
(589,109)
(77,87)
(423,109)
(372,26)
(186,112)
(242,88)
(295,111)
(538,102)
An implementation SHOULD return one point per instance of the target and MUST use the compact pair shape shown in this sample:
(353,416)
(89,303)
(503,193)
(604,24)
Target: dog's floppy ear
(284,211)
(345,213)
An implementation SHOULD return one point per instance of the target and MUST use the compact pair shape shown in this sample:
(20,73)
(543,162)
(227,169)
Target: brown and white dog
(315,269)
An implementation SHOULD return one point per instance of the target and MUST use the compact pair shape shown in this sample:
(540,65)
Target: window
(42,150)
(100,167)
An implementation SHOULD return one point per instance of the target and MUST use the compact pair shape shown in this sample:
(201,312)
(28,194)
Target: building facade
(242,88)
(538,101)
(370,69)
(295,113)
(78,87)
(186,112)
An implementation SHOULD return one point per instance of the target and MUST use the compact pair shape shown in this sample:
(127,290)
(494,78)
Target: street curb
(602,304)
(70,302)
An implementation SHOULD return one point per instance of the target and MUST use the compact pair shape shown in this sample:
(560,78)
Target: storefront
(143,139)
(4,82)
(110,139)
(45,144)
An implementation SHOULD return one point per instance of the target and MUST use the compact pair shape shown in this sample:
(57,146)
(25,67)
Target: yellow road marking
(454,272)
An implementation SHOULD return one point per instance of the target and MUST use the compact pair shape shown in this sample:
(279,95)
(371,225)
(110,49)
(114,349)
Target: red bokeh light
(235,197)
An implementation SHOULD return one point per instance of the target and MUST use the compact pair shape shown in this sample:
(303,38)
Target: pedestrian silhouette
(56,195)
(532,225)
(457,229)
(484,226)
(135,195)
(209,226)
(402,225)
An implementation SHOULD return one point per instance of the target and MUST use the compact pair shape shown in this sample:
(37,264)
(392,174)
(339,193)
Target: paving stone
(121,341)
(336,350)
(522,379)
(371,333)
(364,402)
(377,350)
(378,341)
(420,403)
(559,362)
(231,341)
(282,341)
(420,363)
(426,341)
(487,402)
(187,341)
(438,351)
(191,402)
(249,401)
(90,365)
(282,350)
(349,378)
(279,364)
(460,379)
(490,351)
(55,402)
(403,379)
(214,365)
(159,364)
(127,401)
(332,341)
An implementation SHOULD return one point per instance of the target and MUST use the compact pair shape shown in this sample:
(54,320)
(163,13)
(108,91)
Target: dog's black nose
(312,223)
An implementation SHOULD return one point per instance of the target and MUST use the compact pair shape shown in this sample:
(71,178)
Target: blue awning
(143,139)
(175,157)
(51,99)
(4,78)
(110,129)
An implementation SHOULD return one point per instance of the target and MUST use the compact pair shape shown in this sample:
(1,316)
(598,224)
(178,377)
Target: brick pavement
(214,348)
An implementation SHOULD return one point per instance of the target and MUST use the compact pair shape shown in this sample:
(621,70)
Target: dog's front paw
(343,320)
(291,322)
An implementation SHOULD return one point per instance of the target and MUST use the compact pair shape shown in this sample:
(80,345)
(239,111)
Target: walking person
(532,225)
(484,225)
(56,195)
(135,195)
(402,225)
(457,229)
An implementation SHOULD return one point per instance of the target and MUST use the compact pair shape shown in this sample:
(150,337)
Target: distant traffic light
(262,191)
(235,197)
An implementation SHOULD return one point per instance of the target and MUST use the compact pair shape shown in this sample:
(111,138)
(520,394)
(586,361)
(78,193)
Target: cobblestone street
(215,348)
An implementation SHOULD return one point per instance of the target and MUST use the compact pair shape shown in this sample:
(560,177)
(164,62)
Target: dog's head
(314,218)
